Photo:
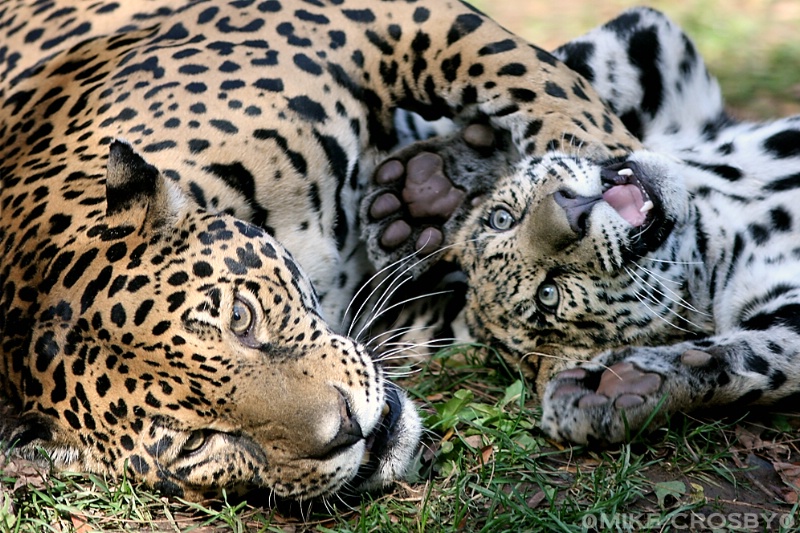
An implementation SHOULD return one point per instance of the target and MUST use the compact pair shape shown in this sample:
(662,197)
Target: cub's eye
(241,317)
(547,295)
(500,219)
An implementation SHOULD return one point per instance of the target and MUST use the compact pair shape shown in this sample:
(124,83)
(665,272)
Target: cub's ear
(136,190)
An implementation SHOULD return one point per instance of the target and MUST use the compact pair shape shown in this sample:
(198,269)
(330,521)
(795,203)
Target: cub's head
(569,252)
(186,349)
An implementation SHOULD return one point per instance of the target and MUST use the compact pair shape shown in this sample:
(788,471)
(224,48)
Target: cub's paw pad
(413,197)
(697,359)
(622,384)
(593,404)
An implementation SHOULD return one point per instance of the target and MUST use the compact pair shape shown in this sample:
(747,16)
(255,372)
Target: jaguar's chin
(391,446)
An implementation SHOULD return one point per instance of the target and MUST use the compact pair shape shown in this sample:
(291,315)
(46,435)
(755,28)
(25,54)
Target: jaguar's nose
(577,209)
(349,430)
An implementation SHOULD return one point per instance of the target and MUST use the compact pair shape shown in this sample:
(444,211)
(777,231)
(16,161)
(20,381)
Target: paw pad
(624,378)
(414,202)
(623,384)
(428,193)
(696,358)
(396,234)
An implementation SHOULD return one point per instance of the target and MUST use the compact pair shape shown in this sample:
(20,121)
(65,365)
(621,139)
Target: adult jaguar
(677,263)
(156,321)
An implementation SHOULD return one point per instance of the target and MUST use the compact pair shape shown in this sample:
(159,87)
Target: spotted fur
(180,188)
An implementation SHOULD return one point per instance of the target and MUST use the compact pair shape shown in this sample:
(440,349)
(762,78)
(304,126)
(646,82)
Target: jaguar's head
(570,252)
(186,349)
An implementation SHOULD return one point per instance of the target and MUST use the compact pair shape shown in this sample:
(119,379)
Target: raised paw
(592,404)
(417,195)
(428,197)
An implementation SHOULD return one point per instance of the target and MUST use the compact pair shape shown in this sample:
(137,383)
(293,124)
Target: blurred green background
(752,46)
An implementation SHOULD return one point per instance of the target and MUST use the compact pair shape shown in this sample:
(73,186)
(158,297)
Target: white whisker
(657,315)
(395,275)
(669,294)
(435,344)
(401,303)
(378,308)
(399,273)
(396,265)
(670,262)
(642,231)
(662,279)
(403,373)
(394,334)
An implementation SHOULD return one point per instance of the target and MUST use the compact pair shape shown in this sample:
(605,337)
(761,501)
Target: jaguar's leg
(641,63)
(650,74)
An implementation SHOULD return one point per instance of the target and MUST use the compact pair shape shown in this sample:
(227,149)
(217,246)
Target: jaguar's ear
(137,191)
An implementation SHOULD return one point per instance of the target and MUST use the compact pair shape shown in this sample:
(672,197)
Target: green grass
(485,467)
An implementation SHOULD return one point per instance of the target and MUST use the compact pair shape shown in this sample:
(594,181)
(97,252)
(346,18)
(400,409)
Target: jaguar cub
(669,275)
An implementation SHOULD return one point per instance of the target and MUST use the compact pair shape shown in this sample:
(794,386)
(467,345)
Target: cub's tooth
(385,410)
(647,206)
(365,459)
(625,172)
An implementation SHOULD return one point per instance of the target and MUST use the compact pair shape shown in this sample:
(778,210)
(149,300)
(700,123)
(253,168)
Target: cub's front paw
(427,199)
(418,195)
(598,405)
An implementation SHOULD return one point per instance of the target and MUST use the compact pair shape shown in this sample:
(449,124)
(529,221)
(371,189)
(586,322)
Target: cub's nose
(577,208)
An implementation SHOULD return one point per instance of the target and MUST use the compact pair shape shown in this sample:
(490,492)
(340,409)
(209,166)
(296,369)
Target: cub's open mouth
(634,195)
(378,443)
(625,191)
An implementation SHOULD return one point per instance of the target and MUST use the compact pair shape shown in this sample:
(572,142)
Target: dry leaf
(789,472)
(747,439)
(486,454)
(534,501)
(474,441)
(25,472)
(80,524)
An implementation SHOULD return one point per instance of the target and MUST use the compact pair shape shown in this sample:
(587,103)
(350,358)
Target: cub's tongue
(627,200)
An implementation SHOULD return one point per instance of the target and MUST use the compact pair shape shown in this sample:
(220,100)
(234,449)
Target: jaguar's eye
(500,219)
(547,295)
(195,441)
(241,317)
